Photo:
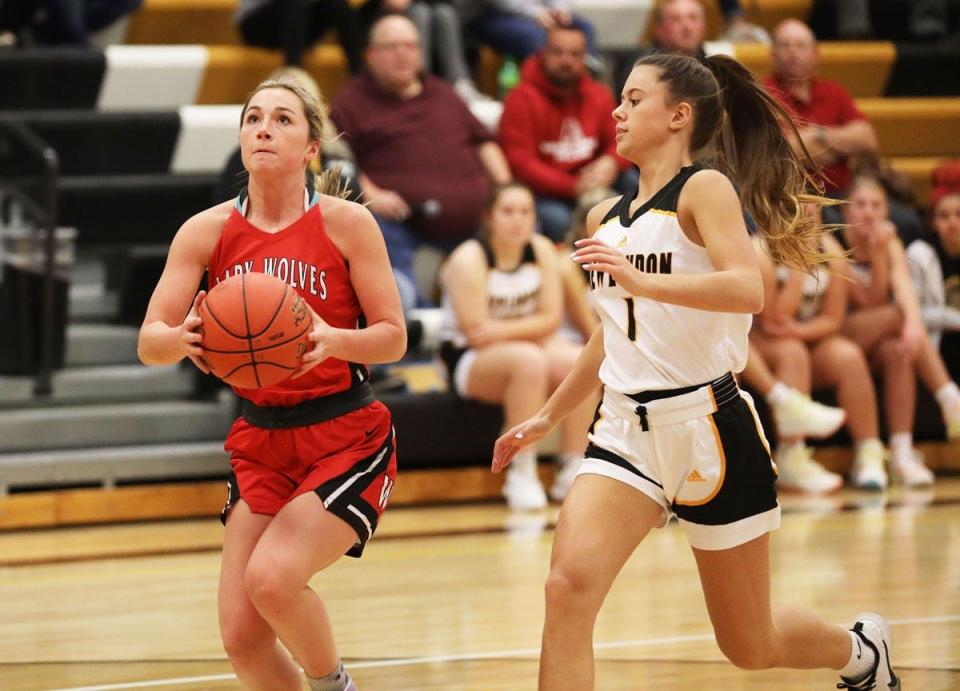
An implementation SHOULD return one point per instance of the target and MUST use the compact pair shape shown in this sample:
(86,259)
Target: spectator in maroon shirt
(426,163)
(557,130)
(831,126)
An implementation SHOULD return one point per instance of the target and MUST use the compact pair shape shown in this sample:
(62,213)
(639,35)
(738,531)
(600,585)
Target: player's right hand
(527,432)
(191,334)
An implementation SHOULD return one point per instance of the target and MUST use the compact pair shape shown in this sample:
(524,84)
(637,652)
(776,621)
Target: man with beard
(557,131)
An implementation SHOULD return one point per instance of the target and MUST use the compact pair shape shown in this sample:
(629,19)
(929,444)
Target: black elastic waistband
(724,390)
(308,412)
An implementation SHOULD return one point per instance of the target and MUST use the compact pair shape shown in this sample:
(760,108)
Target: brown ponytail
(745,126)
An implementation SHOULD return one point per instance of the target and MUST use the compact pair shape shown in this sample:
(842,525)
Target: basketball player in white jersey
(676,281)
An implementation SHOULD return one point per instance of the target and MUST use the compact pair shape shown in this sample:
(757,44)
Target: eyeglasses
(397,45)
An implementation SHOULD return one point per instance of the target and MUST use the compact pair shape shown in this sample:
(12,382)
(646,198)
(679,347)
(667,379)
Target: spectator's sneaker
(522,488)
(868,467)
(798,471)
(873,632)
(910,471)
(566,473)
(800,416)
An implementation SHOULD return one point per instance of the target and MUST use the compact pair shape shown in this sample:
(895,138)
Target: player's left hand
(507,446)
(595,255)
(322,337)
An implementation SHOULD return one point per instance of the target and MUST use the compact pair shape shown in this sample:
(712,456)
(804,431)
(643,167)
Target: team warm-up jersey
(510,294)
(304,257)
(654,345)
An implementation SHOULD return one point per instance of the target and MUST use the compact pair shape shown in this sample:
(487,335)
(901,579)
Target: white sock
(524,462)
(861,662)
(337,680)
(871,441)
(778,394)
(948,396)
(901,445)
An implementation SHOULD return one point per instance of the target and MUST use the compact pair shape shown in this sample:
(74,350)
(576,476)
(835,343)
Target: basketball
(254,330)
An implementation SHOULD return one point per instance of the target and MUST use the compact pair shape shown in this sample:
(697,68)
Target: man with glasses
(426,163)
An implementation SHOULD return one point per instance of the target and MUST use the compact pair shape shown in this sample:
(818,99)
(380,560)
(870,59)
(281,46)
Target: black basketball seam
(220,323)
(257,350)
(276,312)
(251,364)
(246,319)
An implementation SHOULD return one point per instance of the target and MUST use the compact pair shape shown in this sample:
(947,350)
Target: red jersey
(304,257)
(830,105)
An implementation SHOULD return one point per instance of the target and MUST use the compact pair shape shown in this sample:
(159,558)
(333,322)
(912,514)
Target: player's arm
(709,211)
(170,329)
(575,303)
(832,311)
(384,339)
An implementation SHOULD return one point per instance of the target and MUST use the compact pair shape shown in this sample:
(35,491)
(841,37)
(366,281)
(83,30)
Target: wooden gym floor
(450,598)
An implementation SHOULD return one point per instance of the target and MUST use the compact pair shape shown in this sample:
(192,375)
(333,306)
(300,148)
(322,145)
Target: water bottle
(508,76)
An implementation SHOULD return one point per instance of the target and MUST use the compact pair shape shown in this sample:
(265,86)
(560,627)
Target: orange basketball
(254,330)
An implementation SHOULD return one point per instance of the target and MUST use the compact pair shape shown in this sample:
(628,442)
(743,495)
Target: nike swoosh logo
(369,433)
(859,650)
(894,681)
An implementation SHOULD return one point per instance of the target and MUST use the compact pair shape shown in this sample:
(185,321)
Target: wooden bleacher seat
(183,21)
(915,126)
(863,67)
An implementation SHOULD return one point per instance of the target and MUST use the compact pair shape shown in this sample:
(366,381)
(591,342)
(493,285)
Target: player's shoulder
(601,213)
(347,221)
(468,253)
(208,224)
(705,187)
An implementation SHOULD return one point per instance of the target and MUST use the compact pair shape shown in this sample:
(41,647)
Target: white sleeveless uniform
(673,423)
(511,294)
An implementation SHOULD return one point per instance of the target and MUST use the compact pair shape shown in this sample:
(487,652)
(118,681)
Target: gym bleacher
(142,130)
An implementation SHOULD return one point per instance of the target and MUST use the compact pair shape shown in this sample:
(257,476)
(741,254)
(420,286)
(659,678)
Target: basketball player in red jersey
(313,458)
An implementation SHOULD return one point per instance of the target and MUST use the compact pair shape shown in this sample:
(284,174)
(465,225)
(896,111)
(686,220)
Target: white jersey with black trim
(511,294)
(651,345)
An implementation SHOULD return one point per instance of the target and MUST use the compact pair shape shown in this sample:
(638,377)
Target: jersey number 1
(631,320)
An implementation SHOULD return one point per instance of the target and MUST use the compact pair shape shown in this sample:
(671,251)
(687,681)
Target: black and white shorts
(699,452)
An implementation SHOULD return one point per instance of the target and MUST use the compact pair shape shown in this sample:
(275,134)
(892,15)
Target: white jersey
(811,294)
(651,345)
(511,294)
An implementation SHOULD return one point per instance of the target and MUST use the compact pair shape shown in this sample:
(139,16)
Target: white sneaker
(522,488)
(798,471)
(869,471)
(910,470)
(566,473)
(800,416)
(873,632)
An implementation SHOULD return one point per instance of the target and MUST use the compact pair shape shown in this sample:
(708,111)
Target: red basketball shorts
(350,462)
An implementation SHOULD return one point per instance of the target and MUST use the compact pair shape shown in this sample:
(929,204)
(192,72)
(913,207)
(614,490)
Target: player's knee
(243,643)
(747,654)
(794,350)
(530,363)
(570,589)
(269,590)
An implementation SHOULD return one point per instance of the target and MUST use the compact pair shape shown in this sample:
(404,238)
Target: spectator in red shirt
(831,126)
(557,130)
(426,163)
